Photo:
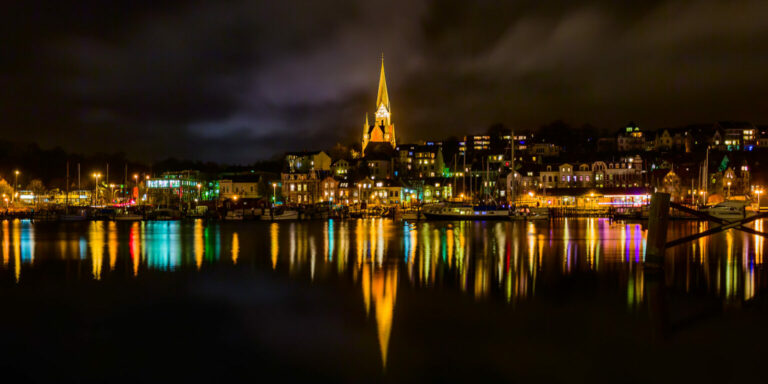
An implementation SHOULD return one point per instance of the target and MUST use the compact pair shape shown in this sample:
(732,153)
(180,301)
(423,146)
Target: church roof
(381,150)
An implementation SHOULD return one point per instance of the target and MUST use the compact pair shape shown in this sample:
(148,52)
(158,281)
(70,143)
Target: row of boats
(478,212)
(106,214)
(729,210)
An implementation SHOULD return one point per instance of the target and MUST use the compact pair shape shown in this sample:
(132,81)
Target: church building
(382,131)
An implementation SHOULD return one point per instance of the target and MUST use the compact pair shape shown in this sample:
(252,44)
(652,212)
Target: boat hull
(473,216)
(290,215)
(128,218)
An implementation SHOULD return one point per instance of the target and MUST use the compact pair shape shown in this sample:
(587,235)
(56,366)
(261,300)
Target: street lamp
(199,191)
(96,176)
(15,183)
(274,194)
(360,192)
(729,189)
(759,192)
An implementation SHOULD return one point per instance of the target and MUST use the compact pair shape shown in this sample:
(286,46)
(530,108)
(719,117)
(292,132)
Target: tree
(6,190)
(339,152)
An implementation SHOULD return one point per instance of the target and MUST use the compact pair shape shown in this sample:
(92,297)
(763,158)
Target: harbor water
(376,300)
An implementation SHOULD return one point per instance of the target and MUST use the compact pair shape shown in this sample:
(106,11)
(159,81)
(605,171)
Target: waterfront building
(347,192)
(379,160)
(173,187)
(300,188)
(625,173)
(669,139)
(82,197)
(630,139)
(735,136)
(386,192)
(541,150)
(340,168)
(241,187)
(589,197)
(382,130)
(329,189)
(420,160)
(762,138)
(668,181)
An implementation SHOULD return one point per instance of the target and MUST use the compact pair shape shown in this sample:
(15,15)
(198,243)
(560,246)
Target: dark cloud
(239,81)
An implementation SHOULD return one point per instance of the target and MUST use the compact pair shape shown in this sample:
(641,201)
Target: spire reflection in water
(511,262)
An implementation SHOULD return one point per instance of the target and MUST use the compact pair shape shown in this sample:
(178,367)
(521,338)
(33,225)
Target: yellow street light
(16,181)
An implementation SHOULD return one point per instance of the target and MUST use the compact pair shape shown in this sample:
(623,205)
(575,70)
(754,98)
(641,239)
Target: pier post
(658,219)
(653,268)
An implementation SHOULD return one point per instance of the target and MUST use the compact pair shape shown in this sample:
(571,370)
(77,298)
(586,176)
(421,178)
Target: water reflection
(510,261)
(235,247)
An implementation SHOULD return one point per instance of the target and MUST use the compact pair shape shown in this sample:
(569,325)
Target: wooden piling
(658,219)
(653,268)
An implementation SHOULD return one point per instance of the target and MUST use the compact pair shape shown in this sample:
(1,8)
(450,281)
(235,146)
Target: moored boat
(466,213)
(128,216)
(234,215)
(82,215)
(166,214)
(280,214)
(530,214)
(730,210)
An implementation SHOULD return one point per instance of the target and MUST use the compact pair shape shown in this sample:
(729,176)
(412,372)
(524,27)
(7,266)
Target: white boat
(730,210)
(236,215)
(466,213)
(280,214)
(530,214)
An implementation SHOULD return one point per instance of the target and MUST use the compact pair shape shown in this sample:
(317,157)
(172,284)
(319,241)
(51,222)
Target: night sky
(241,81)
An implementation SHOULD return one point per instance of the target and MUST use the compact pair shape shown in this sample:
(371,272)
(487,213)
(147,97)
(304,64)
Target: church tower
(382,129)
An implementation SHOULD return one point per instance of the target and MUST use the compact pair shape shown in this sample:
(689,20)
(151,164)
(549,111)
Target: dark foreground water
(376,300)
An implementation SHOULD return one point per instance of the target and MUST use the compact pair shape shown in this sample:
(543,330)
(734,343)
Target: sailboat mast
(66,198)
(512,165)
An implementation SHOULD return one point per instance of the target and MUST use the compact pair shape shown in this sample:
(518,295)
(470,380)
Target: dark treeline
(49,165)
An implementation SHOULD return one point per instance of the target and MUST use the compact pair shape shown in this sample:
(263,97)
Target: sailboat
(486,211)
(81,214)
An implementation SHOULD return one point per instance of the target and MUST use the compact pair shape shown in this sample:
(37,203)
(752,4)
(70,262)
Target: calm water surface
(396,300)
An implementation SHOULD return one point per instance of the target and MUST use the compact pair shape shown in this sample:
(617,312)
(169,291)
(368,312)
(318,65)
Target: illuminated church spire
(383,96)
(382,129)
(366,130)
